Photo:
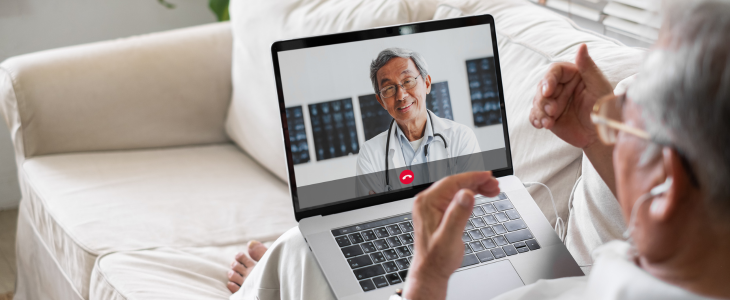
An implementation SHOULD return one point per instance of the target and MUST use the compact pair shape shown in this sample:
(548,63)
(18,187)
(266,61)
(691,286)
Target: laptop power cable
(560,228)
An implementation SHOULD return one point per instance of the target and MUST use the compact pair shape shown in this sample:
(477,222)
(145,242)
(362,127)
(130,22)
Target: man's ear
(666,205)
(428,84)
(377,97)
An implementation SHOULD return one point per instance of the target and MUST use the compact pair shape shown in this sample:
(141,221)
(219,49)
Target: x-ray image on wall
(375,118)
(333,127)
(297,134)
(439,101)
(483,90)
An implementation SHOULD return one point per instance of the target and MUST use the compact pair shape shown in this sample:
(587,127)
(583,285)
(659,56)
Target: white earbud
(662,188)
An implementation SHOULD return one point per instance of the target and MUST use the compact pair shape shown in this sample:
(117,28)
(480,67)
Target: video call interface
(338,128)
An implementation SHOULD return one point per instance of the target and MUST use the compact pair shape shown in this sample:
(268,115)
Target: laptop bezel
(362,35)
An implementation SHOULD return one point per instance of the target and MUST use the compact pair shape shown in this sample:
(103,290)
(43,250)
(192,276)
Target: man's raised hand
(565,98)
(440,214)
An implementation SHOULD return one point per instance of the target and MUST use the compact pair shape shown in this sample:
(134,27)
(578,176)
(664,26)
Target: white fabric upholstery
(88,204)
(253,119)
(158,90)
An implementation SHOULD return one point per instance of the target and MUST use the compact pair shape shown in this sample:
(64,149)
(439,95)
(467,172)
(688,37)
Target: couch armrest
(164,89)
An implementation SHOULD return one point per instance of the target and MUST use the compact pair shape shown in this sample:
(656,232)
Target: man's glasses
(608,116)
(391,90)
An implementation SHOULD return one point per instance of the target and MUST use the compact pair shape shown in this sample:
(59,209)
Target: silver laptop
(351,185)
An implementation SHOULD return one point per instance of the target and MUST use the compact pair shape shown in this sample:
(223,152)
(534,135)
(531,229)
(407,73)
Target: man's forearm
(601,157)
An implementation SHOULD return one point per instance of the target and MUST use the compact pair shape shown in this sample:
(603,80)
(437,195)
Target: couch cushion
(253,119)
(164,273)
(88,204)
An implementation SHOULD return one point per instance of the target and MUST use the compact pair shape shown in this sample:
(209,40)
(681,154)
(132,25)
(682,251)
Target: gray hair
(386,55)
(684,92)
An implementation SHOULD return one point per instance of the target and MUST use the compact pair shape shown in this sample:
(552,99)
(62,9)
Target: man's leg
(288,270)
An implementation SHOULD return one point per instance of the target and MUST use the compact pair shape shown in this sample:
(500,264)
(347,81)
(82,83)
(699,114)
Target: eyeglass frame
(599,120)
(380,93)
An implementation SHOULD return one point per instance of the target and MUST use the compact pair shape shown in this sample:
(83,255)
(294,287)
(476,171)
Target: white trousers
(288,270)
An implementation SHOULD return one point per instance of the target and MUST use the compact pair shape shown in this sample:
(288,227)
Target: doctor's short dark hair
(386,55)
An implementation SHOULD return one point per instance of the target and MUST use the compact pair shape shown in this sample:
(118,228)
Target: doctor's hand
(440,214)
(565,98)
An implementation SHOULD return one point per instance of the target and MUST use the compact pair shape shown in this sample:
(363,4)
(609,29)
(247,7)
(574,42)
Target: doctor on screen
(416,136)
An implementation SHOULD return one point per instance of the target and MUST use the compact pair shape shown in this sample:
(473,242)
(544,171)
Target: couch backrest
(159,90)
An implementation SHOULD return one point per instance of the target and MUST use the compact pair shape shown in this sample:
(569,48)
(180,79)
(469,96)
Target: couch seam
(20,102)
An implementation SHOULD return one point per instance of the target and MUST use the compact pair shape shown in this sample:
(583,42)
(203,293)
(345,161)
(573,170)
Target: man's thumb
(586,66)
(458,212)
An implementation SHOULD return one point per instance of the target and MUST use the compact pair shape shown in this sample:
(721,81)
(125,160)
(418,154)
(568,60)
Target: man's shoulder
(375,142)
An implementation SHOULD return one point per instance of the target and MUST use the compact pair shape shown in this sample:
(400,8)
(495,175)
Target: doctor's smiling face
(403,91)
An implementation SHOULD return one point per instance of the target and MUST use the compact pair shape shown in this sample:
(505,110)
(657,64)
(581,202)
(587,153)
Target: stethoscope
(425,150)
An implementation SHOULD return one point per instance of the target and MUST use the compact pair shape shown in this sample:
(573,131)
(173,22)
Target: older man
(661,148)
(416,136)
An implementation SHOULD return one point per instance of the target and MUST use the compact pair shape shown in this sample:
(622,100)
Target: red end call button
(406,177)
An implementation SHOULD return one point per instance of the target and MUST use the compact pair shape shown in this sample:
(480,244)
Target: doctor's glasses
(391,90)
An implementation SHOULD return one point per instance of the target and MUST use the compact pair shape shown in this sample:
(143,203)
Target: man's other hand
(440,214)
(565,98)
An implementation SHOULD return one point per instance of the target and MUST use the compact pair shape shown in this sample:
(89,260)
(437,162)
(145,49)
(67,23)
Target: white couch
(133,186)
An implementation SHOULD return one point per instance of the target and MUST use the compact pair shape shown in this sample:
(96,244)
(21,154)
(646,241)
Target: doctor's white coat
(459,138)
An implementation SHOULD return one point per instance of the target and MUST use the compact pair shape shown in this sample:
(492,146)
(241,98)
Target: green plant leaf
(166,4)
(220,9)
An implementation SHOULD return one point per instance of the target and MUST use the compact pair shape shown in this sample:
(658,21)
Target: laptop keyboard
(380,252)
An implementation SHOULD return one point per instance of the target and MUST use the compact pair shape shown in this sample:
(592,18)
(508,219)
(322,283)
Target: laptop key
(390,267)
(380,282)
(381,232)
(490,219)
(465,237)
(381,244)
(487,231)
(499,229)
(406,226)
(368,235)
(343,241)
(467,249)
(410,247)
(368,272)
(394,229)
(500,241)
(532,244)
(402,263)
(367,285)
(515,225)
(469,260)
(351,251)
(476,246)
(368,247)
(356,238)
(488,243)
(469,226)
(476,234)
(485,256)
(393,278)
(360,261)
(390,254)
(489,208)
(518,236)
(393,241)
(477,211)
(478,222)
(513,214)
(377,257)
(402,251)
(403,274)
(498,253)
(510,250)
(503,205)
(522,249)
(406,238)
(501,217)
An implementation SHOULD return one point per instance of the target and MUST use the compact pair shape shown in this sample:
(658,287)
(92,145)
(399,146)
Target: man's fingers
(446,188)
(457,214)
(558,73)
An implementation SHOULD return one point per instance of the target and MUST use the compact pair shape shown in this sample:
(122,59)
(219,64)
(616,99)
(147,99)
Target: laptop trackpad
(484,282)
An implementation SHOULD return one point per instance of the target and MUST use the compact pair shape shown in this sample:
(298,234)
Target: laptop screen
(420,102)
